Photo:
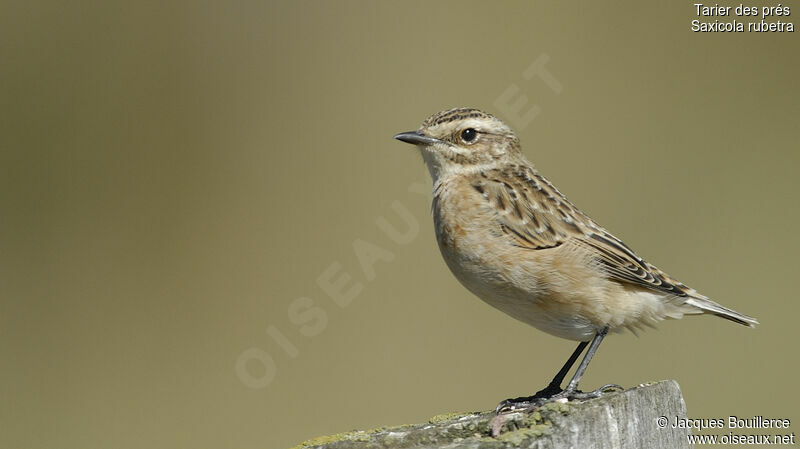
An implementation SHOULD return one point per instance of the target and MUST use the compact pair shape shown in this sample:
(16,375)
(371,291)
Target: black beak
(415,138)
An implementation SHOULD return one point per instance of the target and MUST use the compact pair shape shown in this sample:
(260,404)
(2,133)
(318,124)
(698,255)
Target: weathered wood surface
(626,419)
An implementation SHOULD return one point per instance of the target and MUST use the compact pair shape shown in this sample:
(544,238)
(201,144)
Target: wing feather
(536,216)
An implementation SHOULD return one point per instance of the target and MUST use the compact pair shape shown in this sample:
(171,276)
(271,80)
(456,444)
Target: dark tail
(709,306)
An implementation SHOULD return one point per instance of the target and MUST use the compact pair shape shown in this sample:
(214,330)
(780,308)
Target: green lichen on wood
(521,427)
(449,427)
(447,417)
(356,435)
(631,413)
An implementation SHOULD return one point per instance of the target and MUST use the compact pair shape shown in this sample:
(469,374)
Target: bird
(516,242)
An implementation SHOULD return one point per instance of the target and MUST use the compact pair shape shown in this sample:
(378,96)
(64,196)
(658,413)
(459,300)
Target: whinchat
(516,242)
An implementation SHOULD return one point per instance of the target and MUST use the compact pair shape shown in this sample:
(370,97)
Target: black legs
(553,391)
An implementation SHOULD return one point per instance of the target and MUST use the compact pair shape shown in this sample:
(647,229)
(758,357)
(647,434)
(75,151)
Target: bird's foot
(551,394)
(525,402)
(578,395)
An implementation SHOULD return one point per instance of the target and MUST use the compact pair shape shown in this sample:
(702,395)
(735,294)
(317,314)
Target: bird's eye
(469,135)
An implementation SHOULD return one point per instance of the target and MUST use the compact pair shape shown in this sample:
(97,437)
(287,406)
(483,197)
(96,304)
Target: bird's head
(463,140)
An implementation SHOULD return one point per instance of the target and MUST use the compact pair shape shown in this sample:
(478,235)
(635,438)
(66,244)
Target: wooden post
(631,418)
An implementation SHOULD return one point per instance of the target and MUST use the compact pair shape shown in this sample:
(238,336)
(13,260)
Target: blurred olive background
(176,175)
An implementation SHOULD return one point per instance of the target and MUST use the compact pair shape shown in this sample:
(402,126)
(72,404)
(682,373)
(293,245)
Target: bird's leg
(554,387)
(572,392)
(553,391)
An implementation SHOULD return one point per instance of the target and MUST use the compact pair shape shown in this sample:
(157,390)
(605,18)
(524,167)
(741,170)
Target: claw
(513,405)
(529,404)
(594,393)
